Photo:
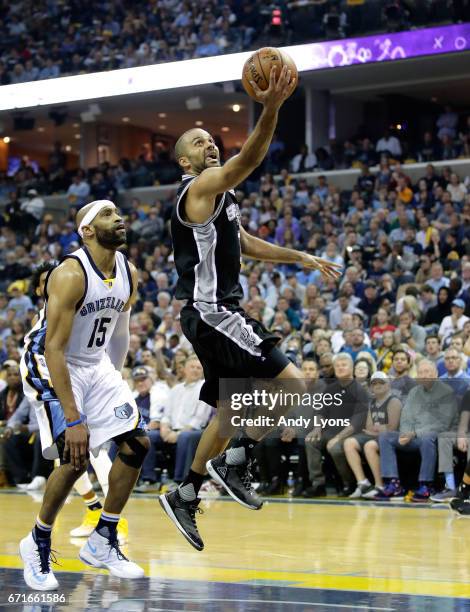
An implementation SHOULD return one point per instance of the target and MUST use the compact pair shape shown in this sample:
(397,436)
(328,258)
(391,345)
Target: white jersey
(97,312)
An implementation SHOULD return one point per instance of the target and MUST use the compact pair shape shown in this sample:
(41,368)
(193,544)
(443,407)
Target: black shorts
(230,344)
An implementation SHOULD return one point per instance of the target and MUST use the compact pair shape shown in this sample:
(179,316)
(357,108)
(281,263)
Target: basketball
(258,66)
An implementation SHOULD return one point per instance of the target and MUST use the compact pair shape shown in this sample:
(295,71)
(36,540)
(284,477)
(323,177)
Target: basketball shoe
(37,556)
(101,551)
(236,480)
(183,515)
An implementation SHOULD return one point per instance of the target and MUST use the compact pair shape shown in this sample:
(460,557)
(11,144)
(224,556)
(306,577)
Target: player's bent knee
(133,447)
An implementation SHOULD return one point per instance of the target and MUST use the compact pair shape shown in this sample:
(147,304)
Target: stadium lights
(162,127)
(224,68)
(6,139)
(225,129)
(198,123)
(77,136)
(162,115)
(125,119)
(236,108)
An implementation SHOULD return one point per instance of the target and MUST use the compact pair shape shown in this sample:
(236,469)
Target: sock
(241,451)
(363,482)
(190,486)
(450,480)
(107,523)
(42,530)
(93,503)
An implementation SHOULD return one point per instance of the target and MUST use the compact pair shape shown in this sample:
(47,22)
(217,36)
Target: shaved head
(199,149)
(181,143)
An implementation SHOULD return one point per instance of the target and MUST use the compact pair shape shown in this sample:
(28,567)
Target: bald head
(196,145)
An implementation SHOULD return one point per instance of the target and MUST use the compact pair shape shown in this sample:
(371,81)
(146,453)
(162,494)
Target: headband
(91,214)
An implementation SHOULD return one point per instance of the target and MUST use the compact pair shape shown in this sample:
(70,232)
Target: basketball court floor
(290,556)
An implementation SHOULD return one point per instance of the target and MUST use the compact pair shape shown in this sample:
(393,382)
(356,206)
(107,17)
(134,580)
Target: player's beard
(110,239)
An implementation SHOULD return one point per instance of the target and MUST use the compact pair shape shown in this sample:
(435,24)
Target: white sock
(364,482)
(235,456)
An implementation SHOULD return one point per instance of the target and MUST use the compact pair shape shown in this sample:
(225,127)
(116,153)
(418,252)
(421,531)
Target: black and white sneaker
(183,515)
(460,506)
(236,480)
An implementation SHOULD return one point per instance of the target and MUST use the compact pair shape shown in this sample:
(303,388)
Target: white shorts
(102,397)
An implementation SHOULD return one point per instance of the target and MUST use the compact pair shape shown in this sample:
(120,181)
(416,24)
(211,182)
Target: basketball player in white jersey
(208,243)
(73,357)
(101,463)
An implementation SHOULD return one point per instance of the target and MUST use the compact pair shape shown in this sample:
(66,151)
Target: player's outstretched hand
(76,445)
(278,91)
(328,269)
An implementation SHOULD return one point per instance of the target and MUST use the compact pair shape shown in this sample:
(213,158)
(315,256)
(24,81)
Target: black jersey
(207,255)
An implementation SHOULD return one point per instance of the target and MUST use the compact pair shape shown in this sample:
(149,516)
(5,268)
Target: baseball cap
(140,372)
(459,303)
(379,376)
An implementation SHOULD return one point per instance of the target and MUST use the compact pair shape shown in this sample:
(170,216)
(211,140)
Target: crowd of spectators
(47,39)
(23,188)
(393,332)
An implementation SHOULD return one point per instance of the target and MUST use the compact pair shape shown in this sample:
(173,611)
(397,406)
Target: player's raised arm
(66,287)
(212,181)
(217,180)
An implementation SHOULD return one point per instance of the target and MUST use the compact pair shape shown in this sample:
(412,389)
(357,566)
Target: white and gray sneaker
(37,555)
(444,496)
(371,492)
(101,551)
(361,488)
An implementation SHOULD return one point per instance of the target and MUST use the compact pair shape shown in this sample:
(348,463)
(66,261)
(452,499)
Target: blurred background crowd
(43,40)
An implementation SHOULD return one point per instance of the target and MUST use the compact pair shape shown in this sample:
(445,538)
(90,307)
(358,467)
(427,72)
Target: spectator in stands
(381,324)
(410,332)
(343,307)
(435,315)
(357,344)
(78,191)
(389,144)
(453,322)
(454,375)
(385,352)
(19,302)
(383,415)
(429,409)
(371,301)
(151,403)
(331,438)
(447,123)
(429,150)
(432,349)
(457,189)
(402,383)
(184,417)
(33,206)
(437,279)
(303,161)
(10,398)
(447,441)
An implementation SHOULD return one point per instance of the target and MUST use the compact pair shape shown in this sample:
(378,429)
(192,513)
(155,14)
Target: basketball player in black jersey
(208,242)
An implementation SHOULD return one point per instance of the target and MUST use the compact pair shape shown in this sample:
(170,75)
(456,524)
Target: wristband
(77,422)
